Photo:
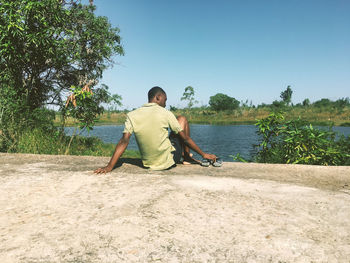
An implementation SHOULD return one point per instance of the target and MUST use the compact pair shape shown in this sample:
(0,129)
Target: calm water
(220,140)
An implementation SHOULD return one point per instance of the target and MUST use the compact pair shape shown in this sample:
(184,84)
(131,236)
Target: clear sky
(247,49)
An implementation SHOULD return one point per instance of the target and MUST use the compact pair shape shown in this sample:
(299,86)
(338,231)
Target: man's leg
(186,128)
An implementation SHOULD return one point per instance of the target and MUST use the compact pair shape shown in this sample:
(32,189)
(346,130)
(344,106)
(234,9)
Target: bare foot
(188,159)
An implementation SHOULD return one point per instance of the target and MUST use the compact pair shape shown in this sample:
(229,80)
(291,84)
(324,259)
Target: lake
(220,140)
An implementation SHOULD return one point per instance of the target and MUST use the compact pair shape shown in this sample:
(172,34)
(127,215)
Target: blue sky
(248,49)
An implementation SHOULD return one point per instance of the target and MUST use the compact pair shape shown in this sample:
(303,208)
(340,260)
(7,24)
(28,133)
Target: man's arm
(119,150)
(190,143)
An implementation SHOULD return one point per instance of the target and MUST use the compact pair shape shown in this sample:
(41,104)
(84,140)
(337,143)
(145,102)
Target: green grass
(47,142)
(242,116)
(312,115)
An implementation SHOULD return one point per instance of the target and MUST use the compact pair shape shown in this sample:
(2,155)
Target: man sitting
(150,124)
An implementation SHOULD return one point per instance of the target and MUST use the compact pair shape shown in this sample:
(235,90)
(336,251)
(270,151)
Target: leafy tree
(221,102)
(114,102)
(323,103)
(278,104)
(286,96)
(342,103)
(246,104)
(46,47)
(306,102)
(262,105)
(173,108)
(84,106)
(188,95)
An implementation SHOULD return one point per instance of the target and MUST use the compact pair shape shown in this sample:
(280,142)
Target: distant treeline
(223,102)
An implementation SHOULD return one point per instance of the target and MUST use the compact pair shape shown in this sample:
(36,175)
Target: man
(150,124)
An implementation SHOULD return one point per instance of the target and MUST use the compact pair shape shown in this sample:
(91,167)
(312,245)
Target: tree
(278,104)
(306,102)
(188,95)
(47,47)
(173,108)
(323,103)
(114,102)
(342,103)
(286,95)
(221,102)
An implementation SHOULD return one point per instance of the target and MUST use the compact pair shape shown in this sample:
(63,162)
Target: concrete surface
(54,209)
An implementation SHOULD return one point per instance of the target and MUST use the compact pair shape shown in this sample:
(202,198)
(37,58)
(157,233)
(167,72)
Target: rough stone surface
(55,209)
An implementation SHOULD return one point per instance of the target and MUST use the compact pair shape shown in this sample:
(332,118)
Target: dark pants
(177,154)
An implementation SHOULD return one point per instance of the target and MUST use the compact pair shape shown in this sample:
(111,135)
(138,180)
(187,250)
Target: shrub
(38,141)
(220,102)
(295,142)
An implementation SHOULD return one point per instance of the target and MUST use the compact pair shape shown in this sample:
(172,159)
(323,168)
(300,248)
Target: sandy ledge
(54,209)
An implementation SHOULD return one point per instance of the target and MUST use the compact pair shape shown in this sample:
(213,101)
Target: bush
(220,102)
(278,105)
(323,103)
(295,142)
(306,102)
(38,141)
(14,124)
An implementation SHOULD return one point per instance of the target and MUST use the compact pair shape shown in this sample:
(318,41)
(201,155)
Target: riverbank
(314,116)
(56,210)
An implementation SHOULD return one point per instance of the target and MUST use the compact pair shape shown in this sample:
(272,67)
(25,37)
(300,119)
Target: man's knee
(182,120)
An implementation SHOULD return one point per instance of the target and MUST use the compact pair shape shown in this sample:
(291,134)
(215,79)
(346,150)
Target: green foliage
(45,48)
(328,105)
(220,102)
(114,102)
(306,102)
(278,105)
(239,158)
(39,141)
(323,103)
(11,126)
(286,96)
(173,108)
(342,103)
(188,96)
(246,104)
(294,142)
(85,105)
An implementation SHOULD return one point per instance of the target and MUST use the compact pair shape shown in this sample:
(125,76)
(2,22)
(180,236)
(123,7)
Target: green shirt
(150,125)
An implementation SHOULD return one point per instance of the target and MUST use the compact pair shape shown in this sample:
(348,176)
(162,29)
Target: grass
(242,116)
(47,142)
(313,115)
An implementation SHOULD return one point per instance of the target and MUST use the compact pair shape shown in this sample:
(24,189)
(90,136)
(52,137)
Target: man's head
(157,95)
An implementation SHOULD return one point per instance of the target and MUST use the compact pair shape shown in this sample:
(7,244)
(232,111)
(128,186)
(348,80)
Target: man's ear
(158,97)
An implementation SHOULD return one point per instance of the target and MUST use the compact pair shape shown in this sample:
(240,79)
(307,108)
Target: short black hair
(154,91)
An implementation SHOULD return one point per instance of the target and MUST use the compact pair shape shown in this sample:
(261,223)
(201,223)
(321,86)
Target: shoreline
(320,124)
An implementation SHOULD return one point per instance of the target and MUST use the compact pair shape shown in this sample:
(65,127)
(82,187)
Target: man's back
(150,124)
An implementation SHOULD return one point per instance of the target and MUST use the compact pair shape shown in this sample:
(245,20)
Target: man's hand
(209,157)
(119,150)
(103,170)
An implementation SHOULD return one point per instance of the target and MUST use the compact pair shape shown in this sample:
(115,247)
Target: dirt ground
(54,209)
